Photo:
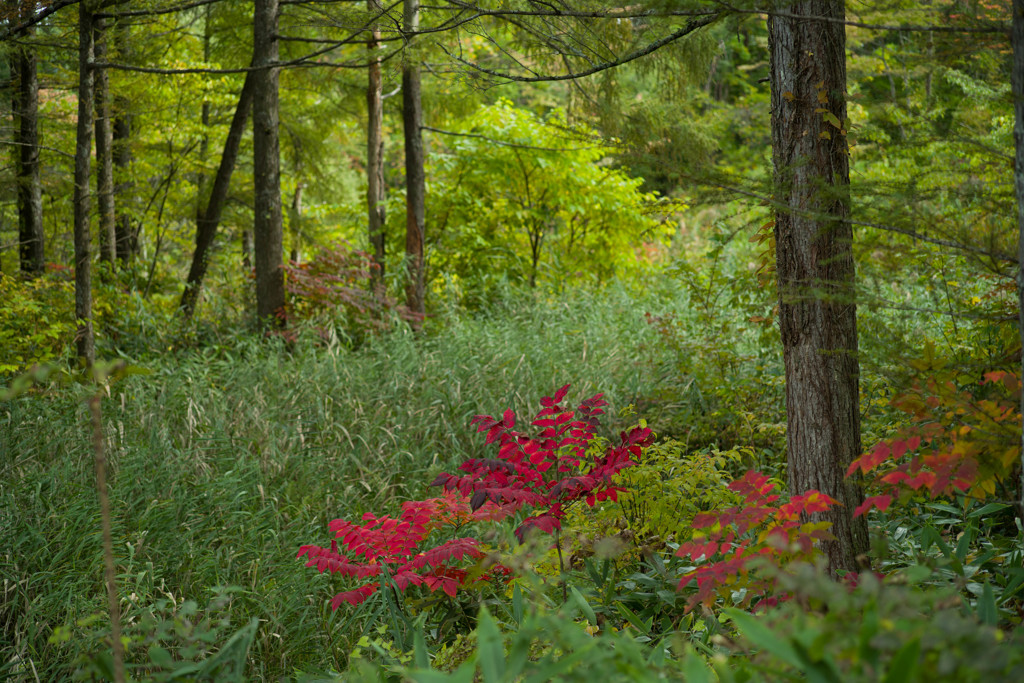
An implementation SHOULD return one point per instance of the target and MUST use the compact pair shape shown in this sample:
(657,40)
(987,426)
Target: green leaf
(987,509)
(695,670)
(464,674)
(988,613)
(490,649)
(904,664)
(421,659)
(161,657)
(634,619)
(517,604)
(761,636)
(584,606)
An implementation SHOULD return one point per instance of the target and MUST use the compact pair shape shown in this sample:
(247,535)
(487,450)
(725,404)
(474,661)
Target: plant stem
(108,543)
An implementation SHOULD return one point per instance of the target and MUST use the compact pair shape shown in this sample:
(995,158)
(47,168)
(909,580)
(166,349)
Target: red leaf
(880,502)
(509,418)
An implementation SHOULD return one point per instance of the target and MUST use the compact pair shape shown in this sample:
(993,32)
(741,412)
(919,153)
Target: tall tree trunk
(268,227)
(813,235)
(1017,80)
(204,143)
(104,150)
(127,240)
(83,148)
(30,200)
(375,155)
(207,223)
(415,191)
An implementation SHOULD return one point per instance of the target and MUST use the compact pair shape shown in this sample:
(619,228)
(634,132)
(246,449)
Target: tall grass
(228,457)
(224,460)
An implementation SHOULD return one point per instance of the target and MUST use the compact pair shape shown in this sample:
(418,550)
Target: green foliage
(669,486)
(717,355)
(173,640)
(560,213)
(875,632)
(36,320)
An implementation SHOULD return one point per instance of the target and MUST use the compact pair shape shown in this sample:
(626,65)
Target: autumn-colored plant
(562,464)
(726,543)
(335,282)
(558,466)
(961,440)
(392,548)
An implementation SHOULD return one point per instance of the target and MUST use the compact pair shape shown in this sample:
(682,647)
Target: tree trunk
(83,148)
(127,240)
(207,223)
(295,222)
(375,156)
(268,225)
(415,191)
(204,143)
(817,311)
(30,200)
(1017,80)
(104,150)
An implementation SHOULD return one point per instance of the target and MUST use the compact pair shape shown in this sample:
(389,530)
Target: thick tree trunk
(415,191)
(375,155)
(104,150)
(1017,80)
(83,148)
(817,311)
(30,199)
(127,240)
(268,222)
(206,225)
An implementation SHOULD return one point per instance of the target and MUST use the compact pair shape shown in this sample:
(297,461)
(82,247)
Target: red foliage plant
(758,529)
(391,547)
(551,469)
(548,471)
(931,458)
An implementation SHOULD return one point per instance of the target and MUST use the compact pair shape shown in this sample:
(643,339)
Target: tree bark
(104,150)
(31,238)
(817,311)
(208,222)
(127,240)
(268,224)
(375,192)
(295,222)
(415,191)
(83,147)
(1017,81)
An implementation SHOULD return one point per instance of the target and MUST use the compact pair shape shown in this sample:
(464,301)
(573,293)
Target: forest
(511,340)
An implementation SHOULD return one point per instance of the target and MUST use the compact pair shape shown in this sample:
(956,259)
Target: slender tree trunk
(83,148)
(268,225)
(817,311)
(30,199)
(247,250)
(204,144)
(206,225)
(1017,79)
(295,222)
(127,240)
(375,156)
(415,190)
(104,150)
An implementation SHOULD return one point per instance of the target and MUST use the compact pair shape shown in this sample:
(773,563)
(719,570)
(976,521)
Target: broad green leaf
(490,648)
(904,665)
